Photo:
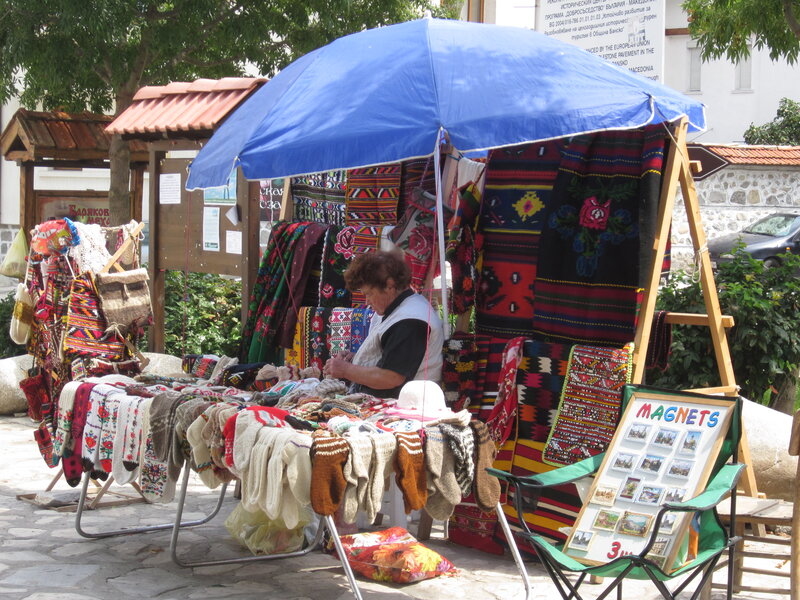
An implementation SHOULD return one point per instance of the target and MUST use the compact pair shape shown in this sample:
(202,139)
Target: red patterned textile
(372,195)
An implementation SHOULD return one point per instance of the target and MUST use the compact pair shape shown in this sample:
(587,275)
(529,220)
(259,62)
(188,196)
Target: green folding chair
(568,574)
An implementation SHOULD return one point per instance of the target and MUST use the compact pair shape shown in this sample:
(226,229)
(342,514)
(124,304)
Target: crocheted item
(91,253)
(36,395)
(462,445)
(590,403)
(485,488)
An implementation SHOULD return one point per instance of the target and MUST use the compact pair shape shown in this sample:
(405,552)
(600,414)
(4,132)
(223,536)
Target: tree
(783,130)
(729,27)
(95,54)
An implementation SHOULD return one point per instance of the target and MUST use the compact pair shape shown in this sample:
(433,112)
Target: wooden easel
(678,170)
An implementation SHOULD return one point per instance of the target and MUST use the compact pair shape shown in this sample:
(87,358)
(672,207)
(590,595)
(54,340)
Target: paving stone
(55,575)
(151,582)
(60,596)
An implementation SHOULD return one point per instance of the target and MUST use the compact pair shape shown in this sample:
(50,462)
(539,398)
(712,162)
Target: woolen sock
(328,455)
(121,474)
(460,441)
(274,481)
(66,402)
(356,472)
(383,449)
(297,478)
(409,468)
(485,487)
(200,455)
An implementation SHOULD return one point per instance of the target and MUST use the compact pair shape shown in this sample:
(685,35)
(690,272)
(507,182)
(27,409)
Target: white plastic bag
(262,535)
(15,263)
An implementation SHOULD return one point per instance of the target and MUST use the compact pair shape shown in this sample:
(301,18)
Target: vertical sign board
(628,33)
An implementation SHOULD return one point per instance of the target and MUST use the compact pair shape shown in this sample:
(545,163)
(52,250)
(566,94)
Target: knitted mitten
(328,455)
(486,488)
(461,443)
(409,467)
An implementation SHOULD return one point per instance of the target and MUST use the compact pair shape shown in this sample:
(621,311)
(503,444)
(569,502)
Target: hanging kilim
(85,334)
(298,353)
(372,195)
(540,380)
(365,238)
(460,371)
(317,346)
(590,403)
(338,333)
(418,173)
(336,256)
(587,288)
(464,249)
(556,508)
(269,299)
(306,253)
(519,183)
(359,327)
(308,193)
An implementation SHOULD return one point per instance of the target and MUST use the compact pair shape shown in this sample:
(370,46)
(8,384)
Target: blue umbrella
(386,94)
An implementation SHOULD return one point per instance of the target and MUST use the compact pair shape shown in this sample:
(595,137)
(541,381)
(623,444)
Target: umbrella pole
(437,161)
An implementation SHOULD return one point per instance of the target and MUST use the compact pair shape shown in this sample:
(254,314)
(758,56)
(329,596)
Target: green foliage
(7,347)
(783,130)
(95,53)
(728,27)
(765,341)
(202,314)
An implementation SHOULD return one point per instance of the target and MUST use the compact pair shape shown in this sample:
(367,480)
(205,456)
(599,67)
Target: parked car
(765,240)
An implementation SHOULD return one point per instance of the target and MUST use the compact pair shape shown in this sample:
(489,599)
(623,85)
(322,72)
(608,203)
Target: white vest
(413,307)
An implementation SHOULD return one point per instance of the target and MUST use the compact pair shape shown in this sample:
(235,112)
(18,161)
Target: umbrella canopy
(385,94)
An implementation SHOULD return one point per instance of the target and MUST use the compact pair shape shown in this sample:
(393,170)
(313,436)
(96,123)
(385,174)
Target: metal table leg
(501,516)
(132,530)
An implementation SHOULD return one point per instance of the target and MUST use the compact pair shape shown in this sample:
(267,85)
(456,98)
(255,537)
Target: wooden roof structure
(62,139)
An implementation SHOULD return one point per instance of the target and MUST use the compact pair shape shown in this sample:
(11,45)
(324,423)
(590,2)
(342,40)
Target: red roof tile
(758,155)
(183,109)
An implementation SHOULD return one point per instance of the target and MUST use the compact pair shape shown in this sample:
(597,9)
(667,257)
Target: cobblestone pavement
(44,558)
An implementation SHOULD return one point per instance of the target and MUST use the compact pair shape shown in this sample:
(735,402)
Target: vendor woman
(405,336)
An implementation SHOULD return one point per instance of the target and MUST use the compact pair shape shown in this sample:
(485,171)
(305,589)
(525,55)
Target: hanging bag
(15,263)
(125,299)
(22,317)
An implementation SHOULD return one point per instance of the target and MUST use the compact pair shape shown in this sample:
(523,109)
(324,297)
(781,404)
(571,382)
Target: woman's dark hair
(375,268)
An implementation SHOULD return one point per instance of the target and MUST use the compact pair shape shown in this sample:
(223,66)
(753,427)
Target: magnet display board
(663,451)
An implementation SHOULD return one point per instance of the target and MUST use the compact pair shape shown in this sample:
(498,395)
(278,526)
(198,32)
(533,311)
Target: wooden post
(28,211)
(248,198)
(156,332)
(137,191)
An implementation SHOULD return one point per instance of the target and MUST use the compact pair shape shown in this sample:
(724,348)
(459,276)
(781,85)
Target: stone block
(768,433)
(12,371)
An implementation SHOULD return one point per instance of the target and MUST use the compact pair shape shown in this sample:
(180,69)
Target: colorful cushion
(393,555)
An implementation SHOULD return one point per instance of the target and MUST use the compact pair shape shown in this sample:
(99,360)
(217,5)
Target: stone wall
(733,198)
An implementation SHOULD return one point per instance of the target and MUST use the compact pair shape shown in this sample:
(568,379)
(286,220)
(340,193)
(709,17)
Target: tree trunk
(119,195)
(119,156)
(787,394)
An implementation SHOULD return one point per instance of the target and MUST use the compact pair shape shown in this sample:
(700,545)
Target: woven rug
(372,194)
(85,334)
(588,283)
(364,238)
(338,332)
(557,507)
(519,183)
(540,380)
(319,197)
(590,403)
(298,353)
(464,249)
(317,349)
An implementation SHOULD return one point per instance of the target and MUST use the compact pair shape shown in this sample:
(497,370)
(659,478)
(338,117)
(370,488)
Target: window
(744,73)
(695,62)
